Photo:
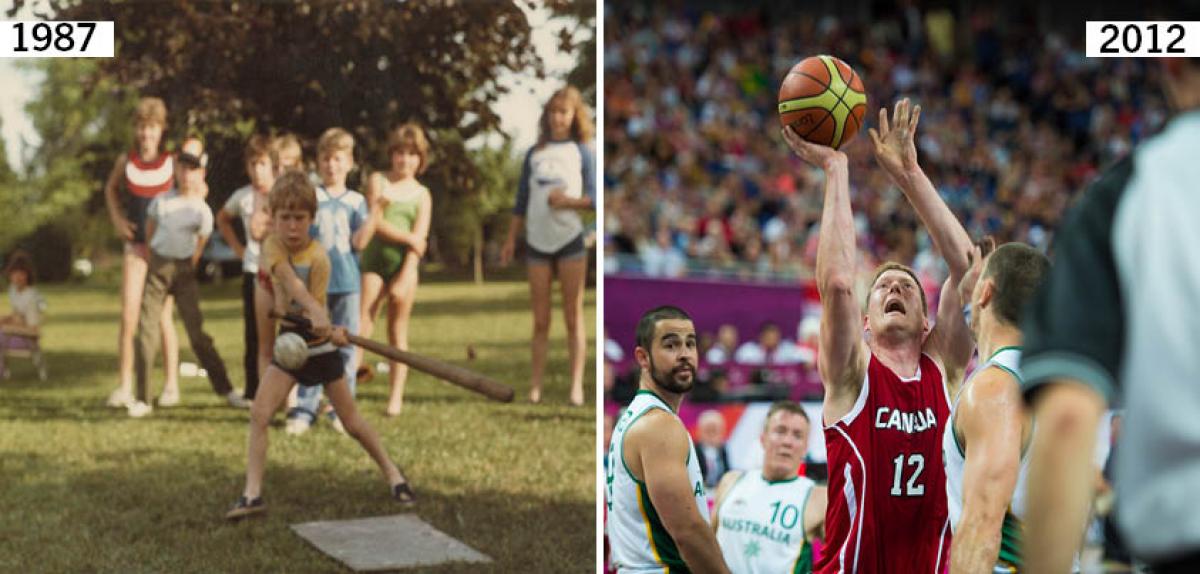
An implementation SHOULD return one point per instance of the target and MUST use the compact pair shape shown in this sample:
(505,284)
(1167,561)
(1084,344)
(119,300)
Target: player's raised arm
(661,445)
(896,153)
(990,418)
(842,361)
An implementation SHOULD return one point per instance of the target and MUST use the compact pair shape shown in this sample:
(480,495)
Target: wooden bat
(454,374)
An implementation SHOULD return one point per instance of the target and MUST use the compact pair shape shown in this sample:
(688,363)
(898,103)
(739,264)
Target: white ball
(290,351)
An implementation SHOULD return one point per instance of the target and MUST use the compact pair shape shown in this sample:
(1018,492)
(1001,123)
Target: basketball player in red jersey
(886,394)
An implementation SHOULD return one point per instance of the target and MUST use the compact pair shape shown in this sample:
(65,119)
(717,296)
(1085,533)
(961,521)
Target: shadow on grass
(166,514)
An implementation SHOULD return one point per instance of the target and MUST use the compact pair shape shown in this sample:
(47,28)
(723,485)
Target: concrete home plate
(386,543)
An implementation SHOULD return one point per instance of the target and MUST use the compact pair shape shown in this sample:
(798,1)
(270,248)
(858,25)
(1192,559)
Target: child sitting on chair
(20,330)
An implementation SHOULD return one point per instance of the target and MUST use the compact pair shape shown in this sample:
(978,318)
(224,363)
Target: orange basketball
(823,99)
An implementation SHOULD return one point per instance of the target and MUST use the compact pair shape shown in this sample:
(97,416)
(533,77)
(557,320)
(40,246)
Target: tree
(583,12)
(229,69)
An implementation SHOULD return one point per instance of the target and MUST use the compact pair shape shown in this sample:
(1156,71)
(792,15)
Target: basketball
(823,99)
(290,351)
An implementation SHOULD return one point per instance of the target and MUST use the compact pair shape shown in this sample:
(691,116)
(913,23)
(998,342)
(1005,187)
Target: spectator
(710,444)
(770,349)
(1012,134)
(727,343)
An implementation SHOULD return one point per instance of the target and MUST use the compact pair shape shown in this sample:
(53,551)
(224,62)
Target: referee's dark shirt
(1120,311)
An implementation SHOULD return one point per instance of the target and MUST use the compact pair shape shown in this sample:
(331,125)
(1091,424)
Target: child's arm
(416,239)
(260,223)
(125,228)
(206,227)
(587,202)
(151,227)
(518,214)
(225,226)
(201,240)
(289,287)
(363,236)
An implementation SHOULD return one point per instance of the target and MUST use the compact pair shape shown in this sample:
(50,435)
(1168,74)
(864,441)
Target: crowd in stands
(697,182)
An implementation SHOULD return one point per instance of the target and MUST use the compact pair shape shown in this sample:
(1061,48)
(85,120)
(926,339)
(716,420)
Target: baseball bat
(454,374)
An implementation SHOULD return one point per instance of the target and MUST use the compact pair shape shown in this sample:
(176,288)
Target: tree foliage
(229,69)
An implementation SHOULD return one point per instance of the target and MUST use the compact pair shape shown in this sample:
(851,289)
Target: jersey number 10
(912,488)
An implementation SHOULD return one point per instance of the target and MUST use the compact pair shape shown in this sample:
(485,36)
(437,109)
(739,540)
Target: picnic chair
(23,345)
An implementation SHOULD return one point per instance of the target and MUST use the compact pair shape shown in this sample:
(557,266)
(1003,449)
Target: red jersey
(887,486)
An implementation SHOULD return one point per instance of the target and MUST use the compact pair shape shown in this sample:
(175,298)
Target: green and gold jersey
(760,525)
(640,543)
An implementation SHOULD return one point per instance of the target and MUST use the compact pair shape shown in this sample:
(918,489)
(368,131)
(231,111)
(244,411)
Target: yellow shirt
(310,264)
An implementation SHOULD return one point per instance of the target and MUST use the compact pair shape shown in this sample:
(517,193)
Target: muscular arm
(723,487)
(990,419)
(896,153)
(842,361)
(814,513)
(951,341)
(659,446)
(1061,473)
(225,226)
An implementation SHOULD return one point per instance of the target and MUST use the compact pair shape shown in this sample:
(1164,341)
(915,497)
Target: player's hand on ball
(819,155)
(895,149)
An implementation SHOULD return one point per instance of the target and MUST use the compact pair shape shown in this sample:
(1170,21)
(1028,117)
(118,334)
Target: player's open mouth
(894,306)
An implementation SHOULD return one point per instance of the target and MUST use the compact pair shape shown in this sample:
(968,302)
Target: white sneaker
(296,427)
(337,425)
(120,398)
(236,401)
(138,409)
(168,398)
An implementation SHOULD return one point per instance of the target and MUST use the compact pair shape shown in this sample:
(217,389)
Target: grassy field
(84,488)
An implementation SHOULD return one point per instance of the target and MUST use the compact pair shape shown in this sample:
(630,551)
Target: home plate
(386,543)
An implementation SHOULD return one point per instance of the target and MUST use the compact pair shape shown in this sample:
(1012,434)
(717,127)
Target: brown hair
(649,320)
(893,266)
(581,124)
(151,110)
(292,190)
(21,260)
(256,147)
(409,136)
(787,406)
(1017,269)
(334,140)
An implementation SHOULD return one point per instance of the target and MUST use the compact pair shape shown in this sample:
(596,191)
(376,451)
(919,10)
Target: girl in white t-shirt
(557,183)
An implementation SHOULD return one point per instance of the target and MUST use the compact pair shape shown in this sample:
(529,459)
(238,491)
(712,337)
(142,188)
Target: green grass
(84,488)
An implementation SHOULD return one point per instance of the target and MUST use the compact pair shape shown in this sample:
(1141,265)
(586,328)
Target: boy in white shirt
(178,224)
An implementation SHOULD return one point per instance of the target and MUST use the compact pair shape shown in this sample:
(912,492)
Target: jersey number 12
(912,488)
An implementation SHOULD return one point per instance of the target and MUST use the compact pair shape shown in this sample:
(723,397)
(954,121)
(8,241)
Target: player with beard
(657,507)
(886,394)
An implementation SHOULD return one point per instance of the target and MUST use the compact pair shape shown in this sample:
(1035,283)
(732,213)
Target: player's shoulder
(656,424)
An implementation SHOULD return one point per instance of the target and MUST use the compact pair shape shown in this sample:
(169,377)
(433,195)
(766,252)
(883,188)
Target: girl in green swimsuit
(399,221)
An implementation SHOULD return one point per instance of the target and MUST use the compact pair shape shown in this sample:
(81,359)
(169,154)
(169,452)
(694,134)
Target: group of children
(305,237)
(166,222)
(300,255)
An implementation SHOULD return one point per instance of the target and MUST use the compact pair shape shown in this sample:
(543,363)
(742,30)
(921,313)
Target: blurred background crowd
(697,182)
